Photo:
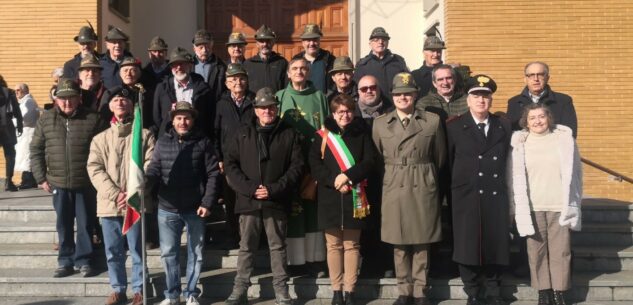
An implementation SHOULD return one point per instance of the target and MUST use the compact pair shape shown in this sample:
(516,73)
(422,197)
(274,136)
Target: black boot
(545,297)
(337,297)
(9,186)
(28,181)
(559,298)
(349,298)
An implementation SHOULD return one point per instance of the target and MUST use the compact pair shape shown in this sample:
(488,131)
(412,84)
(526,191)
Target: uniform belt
(406,161)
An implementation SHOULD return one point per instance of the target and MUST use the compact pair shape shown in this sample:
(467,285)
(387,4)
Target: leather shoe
(9,186)
(116,298)
(403,300)
(421,301)
(64,271)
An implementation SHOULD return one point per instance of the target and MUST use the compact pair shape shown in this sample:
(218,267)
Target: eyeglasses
(367,88)
(343,112)
(536,75)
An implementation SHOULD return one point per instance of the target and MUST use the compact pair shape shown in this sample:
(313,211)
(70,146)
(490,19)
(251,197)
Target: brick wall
(37,36)
(588,45)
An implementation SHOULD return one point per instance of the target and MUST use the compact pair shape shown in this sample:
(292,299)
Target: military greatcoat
(480,200)
(412,158)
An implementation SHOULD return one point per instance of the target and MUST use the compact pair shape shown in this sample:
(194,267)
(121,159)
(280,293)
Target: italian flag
(135,173)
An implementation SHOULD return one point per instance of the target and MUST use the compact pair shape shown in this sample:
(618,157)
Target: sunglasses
(368,88)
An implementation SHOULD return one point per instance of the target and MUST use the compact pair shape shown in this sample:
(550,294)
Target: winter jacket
(202,100)
(423,77)
(110,72)
(270,73)
(229,118)
(9,111)
(60,147)
(319,69)
(435,103)
(560,104)
(186,171)
(280,174)
(570,173)
(108,164)
(383,69)
(216,77)
(335,210)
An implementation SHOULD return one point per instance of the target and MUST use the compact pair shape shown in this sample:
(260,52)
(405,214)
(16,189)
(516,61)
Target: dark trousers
(274,223)
(232,219)
(71,204)
(9,157)
(471,276)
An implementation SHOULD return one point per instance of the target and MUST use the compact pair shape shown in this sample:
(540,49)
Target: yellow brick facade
(37,36)
(588,45)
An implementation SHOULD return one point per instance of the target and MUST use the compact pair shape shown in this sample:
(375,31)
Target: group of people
(334,162)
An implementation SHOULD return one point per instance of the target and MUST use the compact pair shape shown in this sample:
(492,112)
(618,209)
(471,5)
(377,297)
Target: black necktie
(482,129)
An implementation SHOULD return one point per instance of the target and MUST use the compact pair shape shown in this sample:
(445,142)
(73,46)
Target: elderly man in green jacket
(59,152)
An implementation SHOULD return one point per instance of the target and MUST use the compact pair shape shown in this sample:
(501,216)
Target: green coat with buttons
(412,157)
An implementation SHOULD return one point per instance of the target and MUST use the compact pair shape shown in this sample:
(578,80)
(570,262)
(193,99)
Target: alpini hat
(433,43)
(157,44)
(235,69)
(116,34)
(181,107)
(311,31)
(265,97)
(90,61)
(403,83)
(236,38)
(342,63)
(179,55)
(67,87)
(202,36)
(264,33)
(379,32)
(86,34)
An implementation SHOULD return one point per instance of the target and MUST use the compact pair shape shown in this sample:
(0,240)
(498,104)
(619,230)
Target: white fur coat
(571,175)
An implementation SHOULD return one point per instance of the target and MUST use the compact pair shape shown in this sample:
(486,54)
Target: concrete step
(207,301)
(606,210)
(604,234)
(41,256)
(217,284)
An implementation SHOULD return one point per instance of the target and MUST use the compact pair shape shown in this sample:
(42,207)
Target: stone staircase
(602,264)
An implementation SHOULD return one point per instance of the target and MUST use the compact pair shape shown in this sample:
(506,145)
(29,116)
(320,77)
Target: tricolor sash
(345,160)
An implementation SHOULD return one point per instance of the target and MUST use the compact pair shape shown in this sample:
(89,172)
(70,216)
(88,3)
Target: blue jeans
(71,204)
(170,227)
(115,253)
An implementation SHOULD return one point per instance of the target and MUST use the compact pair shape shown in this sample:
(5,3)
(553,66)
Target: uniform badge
(406,78)
(482,80)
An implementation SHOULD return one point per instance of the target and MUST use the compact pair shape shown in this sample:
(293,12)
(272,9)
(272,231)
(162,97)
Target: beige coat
(571,176)
(412,158)
(108,163)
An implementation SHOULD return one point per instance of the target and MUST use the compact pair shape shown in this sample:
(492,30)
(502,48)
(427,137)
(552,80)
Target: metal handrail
(617,176)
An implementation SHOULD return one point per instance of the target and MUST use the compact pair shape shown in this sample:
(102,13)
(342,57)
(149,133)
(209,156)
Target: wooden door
(286,17)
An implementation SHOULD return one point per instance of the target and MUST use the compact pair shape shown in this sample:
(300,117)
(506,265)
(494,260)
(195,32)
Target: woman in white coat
(546,187)
(30,114)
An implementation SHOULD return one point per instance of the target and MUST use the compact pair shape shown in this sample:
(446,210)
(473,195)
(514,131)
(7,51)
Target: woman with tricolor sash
(341,159)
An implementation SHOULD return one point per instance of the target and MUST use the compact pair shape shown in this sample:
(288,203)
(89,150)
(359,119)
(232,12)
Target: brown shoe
(138,299)
(117,298)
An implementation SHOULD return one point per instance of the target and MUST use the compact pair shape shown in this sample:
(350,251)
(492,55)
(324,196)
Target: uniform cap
(481,82)
(403,83)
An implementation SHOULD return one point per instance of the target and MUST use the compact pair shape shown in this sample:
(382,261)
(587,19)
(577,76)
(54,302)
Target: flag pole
(141,92)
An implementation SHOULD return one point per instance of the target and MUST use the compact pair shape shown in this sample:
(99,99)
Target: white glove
(571,218)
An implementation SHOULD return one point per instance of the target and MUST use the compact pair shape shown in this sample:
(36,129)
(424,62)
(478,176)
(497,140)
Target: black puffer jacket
(279,174)
(270,73)
(186,171)
(228,119)
(334,210)
(202,100)
(60,147)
